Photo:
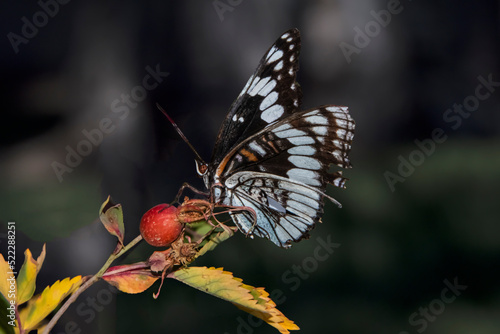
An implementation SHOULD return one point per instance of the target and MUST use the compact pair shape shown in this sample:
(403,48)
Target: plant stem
(89,283)
(19,325)
(113,257)
(130,267)
(68,302)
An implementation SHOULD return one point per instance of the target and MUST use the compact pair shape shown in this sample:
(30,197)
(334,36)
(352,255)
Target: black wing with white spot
(271,161)
(281,172)
(307,140)
(270,94)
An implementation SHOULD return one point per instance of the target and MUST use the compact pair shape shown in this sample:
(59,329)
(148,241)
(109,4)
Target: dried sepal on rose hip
(161,260)
(160,225)
(179,253)
(183,252)
(193,210)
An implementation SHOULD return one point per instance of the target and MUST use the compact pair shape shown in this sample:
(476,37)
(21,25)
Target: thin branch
(88,283)
(18,319)
(68,302)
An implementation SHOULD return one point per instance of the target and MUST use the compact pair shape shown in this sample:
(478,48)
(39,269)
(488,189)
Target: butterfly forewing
(305,143)
(270,94)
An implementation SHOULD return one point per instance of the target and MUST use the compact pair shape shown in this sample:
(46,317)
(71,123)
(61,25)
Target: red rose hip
(160,225)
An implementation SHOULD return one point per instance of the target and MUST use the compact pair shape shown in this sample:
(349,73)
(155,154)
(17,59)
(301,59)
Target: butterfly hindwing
(286,210)
(270,94)
(281,172)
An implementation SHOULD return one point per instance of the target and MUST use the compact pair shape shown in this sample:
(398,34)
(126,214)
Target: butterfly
(271,159)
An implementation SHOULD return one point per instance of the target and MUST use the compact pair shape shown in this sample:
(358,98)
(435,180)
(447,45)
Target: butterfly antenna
(198,157)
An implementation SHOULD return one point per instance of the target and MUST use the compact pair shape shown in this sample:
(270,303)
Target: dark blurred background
(403,230)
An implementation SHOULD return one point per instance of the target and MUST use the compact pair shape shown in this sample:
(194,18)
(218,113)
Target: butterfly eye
(201,168)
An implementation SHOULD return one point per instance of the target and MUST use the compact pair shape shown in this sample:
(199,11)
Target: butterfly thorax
(211,180)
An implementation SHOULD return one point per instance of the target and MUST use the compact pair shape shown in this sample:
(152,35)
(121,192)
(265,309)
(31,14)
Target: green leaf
(43,304)
(214,241)
(26,280)
(201,227)
(5,327)
(111,216)
(222,284)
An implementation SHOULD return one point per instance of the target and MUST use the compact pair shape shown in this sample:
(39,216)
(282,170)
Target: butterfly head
(202,170)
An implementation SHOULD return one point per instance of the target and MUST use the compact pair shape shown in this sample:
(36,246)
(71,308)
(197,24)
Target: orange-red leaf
(223,284)
(43,304)
(130,278)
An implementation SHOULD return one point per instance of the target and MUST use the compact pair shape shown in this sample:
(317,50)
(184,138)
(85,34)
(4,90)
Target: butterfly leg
(226,228)
(247,209)
(219,223)
(190,187)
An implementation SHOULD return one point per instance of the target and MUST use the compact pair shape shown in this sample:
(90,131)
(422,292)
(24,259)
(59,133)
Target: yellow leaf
(27,276)
(222,284)
(41,328)
(43,304)
(8,287)
(40,259)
